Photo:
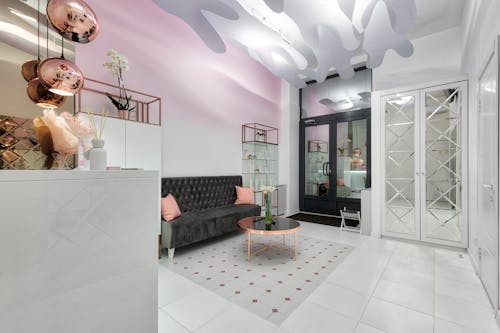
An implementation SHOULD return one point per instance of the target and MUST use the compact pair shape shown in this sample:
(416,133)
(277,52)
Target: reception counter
(78,251)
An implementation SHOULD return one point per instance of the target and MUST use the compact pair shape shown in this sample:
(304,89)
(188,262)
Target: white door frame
(378,154)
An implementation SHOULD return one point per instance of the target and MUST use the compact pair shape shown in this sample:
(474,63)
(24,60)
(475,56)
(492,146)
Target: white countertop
(41,175)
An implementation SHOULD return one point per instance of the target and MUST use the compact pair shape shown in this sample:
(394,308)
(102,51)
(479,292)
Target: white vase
(97,155)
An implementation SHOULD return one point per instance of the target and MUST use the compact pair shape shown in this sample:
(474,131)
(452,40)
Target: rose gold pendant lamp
(61,76)
(73,19)
(42,97)
(37,92)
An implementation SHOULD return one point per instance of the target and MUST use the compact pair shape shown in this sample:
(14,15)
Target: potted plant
(117,65)
(268,192)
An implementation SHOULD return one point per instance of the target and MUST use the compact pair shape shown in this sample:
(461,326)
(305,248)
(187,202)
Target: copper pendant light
(60,76)
(29,68)
(42,97)
(73,19)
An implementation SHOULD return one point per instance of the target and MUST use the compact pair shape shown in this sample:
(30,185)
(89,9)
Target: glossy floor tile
(382,286)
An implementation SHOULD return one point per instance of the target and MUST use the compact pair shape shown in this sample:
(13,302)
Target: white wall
(436,57)
(481,28)
(206,96)
(289,145)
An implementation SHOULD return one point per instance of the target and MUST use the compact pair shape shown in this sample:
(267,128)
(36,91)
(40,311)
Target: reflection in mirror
(337,95)
(317,158)
(351,158)
(400,164)
(443,156)
(19,44)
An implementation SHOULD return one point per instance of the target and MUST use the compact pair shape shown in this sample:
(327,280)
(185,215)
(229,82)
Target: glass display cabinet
(260,155)
(260,162)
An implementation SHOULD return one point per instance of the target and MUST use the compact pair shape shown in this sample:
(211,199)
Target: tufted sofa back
(199,193)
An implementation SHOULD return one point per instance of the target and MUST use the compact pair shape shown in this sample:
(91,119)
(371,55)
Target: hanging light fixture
(29,68)
(61,76)
(42,97)
(73,19)
(39,93)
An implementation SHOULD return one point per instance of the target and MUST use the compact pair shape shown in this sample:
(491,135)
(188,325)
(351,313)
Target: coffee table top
(279,226)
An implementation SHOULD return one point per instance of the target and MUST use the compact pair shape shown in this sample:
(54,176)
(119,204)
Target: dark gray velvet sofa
(208,209)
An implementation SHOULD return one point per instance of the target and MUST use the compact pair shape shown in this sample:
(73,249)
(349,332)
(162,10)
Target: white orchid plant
(117,64)
(267,189)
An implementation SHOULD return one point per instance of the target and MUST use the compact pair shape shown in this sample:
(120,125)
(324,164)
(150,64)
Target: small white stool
(352,215)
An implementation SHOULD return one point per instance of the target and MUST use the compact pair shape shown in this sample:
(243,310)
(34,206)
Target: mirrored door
(401,171)
(442,163)
(424,139)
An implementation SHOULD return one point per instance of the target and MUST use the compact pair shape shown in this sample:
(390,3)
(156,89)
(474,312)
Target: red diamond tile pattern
(272,284)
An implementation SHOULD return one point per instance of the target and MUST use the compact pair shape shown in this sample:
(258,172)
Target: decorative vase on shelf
(97,155)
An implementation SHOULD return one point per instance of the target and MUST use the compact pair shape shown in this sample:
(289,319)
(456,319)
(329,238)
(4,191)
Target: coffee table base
(280,246)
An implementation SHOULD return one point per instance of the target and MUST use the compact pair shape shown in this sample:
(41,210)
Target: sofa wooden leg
(171,253)
(159,247)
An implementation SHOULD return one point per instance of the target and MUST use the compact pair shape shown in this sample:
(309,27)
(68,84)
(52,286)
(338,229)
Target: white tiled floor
(383,286)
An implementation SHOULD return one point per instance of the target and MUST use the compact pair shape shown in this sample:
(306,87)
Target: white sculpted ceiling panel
(300,40)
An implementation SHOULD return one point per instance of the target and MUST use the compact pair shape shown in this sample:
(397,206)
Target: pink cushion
(169,208)
(244,195)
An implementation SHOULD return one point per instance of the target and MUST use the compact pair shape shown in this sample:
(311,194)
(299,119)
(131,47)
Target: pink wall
(205,96)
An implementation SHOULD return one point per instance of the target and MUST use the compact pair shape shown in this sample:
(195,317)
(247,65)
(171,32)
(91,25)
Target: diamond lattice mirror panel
(443,164)
(19,44)
(20,148)
(425,160)
(400,164)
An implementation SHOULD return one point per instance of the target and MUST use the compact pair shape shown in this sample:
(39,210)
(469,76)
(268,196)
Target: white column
(289,145)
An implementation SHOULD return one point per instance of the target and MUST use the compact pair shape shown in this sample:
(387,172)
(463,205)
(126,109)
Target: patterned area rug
(272,284)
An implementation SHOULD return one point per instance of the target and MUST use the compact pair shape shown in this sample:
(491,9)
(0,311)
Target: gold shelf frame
(143,103)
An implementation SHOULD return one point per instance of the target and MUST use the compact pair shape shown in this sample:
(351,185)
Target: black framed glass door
(335,161)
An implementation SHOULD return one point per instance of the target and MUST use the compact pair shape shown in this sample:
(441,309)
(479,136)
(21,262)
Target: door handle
(489,186)
(324,171)
(328,169)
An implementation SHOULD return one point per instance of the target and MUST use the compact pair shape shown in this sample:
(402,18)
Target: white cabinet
(131,144)
(423,135)
(114,141)
(142,146)
(79,251)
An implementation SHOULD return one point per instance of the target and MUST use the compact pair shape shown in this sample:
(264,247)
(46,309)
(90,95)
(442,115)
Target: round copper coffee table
(279,226)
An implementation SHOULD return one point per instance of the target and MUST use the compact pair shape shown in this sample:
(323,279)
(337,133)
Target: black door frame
(333,204)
